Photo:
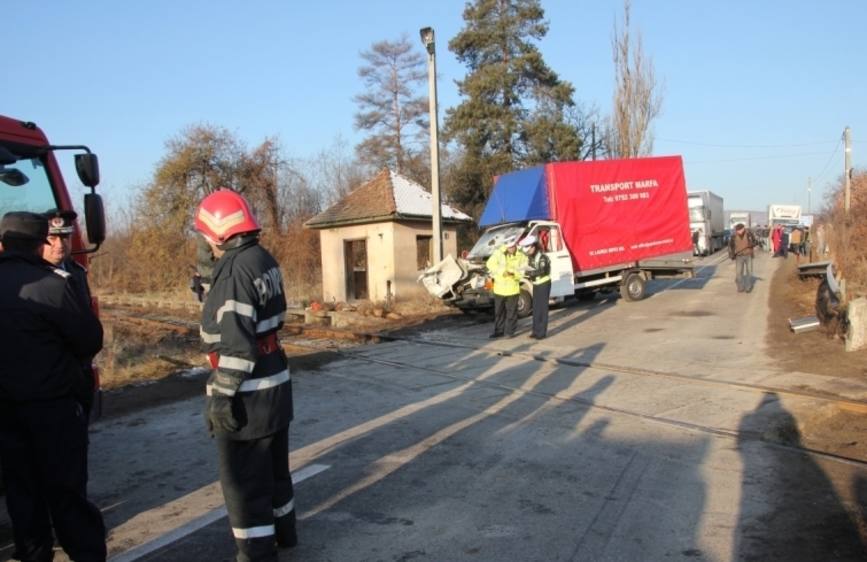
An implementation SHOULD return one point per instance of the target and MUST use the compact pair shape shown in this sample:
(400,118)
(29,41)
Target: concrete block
(856,337)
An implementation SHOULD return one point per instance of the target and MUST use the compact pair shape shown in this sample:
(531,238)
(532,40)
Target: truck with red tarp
(604,224)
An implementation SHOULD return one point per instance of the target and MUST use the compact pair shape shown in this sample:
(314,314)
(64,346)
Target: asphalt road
(636,431)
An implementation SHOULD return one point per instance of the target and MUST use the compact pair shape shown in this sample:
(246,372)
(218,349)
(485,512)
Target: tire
(525,303)
(633,287)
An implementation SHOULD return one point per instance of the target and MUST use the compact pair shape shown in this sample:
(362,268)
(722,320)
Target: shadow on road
(790,509)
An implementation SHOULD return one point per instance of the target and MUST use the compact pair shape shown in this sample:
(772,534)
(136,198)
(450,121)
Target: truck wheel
(633,287)
(525,303)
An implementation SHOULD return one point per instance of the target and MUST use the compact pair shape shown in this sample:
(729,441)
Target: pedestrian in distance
(505,267)
(741,251)
(249,392)
(539,274)
(58,252)
(46,335)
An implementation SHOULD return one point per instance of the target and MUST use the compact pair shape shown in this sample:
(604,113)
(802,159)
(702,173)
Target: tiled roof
(388,196)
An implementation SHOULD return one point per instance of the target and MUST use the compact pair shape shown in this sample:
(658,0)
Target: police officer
(540,275)
(58,252)
(45,334)
(249,392)
(505,266)
(58,249)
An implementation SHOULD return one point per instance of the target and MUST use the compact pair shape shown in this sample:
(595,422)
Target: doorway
(355,256)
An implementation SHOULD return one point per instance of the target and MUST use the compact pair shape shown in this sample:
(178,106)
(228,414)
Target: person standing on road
(741,250)
(505,265)
(249,392)
(540,275)
(58,252)
(46,334)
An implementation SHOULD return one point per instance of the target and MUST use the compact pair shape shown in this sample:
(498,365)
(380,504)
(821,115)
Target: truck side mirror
(87,167)
(6,157)
(94,216)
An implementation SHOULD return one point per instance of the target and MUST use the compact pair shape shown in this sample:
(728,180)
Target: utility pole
(809,193)
(847,167)
(427,38)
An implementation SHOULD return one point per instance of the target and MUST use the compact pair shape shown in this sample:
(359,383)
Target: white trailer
(739,217)
(706,221)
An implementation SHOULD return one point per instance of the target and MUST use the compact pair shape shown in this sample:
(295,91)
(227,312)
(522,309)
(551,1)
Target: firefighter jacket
(506,271)
(541,272)
(46,333)
(241,316)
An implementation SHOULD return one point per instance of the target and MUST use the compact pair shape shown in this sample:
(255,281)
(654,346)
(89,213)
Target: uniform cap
(511,241)
(61,221)
(528,241)
(23,225)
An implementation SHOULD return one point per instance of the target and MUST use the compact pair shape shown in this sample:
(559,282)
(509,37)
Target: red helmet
(223,214)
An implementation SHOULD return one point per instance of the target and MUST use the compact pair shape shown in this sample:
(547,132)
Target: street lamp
(427,39)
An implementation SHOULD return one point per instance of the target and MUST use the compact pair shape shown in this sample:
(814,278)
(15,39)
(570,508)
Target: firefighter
(249,392)
(505,266)
(540,275)
(45,335)
(58,252)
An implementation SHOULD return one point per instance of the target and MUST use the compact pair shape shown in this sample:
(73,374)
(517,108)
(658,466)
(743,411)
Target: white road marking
(201,522)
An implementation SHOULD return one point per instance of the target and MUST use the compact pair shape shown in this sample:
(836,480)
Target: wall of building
(391,256)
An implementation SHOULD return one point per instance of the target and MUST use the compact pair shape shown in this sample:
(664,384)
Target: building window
(423,252)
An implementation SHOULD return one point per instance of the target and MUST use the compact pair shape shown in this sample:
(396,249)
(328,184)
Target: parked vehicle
(786,215)
(604,224)
(706,218)
(739,217)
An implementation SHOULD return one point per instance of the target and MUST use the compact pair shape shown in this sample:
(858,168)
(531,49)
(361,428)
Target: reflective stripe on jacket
(542,266)
(245,304)
(505,269)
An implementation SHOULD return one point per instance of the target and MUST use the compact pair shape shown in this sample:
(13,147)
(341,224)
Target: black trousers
(505,314)
(257,487)
(43,448)
(541,294)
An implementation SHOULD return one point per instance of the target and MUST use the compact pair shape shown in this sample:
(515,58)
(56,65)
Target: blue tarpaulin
(517,196)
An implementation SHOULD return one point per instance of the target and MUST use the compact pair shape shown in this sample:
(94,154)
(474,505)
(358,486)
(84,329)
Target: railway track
(859,406)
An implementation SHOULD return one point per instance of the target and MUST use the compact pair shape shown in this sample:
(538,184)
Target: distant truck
(786,215)
(605,224)
(706,222)
(739,217)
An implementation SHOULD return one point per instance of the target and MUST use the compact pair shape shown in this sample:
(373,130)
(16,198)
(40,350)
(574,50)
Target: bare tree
(637,101)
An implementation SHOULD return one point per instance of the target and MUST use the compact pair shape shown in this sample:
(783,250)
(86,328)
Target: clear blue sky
(756,93)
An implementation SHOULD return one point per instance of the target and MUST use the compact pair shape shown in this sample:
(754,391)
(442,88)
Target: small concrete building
(378,239)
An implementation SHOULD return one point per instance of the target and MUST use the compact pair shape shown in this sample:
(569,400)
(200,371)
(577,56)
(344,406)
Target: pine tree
(514,111)
(389,109)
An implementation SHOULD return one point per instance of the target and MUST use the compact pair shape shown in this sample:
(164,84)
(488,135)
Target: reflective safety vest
(542,266)
(505,269)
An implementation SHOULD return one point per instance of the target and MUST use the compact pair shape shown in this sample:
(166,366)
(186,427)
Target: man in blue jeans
(741,250)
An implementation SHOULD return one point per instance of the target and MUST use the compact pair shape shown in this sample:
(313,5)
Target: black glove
(219,414)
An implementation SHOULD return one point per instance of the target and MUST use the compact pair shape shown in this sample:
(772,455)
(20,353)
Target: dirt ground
(835,430)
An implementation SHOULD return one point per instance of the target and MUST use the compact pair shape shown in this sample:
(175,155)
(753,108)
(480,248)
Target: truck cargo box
(610,211)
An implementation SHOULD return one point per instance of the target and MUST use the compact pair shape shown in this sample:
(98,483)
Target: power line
(770,157)
(747,145)
(828,163)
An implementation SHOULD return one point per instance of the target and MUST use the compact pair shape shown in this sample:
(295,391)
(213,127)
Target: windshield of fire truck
(24,186)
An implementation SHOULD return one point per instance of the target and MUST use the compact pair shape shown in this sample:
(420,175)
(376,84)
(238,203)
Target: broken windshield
(492,239)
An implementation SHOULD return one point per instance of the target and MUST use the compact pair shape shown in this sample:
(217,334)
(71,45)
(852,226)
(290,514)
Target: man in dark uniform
(45,335)
(540,275)
(249,393)
(58,252)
